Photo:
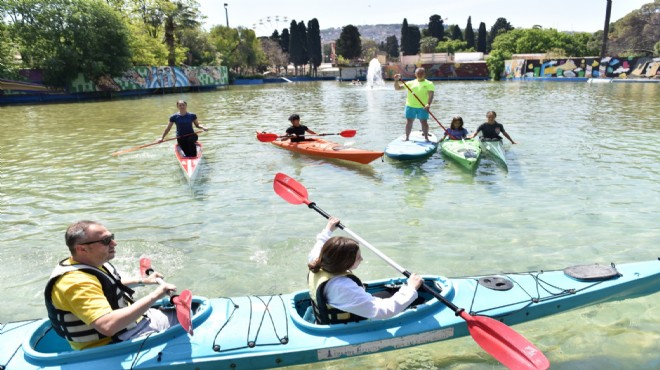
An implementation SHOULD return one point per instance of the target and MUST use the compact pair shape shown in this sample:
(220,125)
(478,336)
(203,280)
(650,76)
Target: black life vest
(69,326)
(323,312)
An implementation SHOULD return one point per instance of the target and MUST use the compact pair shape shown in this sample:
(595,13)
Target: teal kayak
(256,332)
(464,152)
(495,150)
(415,148)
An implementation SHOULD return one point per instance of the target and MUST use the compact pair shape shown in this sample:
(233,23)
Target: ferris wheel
(266,26)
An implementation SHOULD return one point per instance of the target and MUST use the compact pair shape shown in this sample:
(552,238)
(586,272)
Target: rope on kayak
(541,285)
(251,343)
(137,354)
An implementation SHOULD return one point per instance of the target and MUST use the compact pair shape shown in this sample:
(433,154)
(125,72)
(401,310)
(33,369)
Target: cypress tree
(302,34)
(314,44)
(469,34)
(415,36)
(405,32)
(482,38)
(284,40)
(456,33)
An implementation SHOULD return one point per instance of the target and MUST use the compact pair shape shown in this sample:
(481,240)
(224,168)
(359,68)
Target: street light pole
(226,15)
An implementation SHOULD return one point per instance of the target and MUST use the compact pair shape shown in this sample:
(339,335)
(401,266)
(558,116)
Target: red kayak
(328,149)
(189,165)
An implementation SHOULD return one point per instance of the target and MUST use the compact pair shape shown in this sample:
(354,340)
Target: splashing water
(375,74)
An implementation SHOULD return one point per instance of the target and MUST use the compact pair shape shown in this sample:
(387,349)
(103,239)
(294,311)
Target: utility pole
(606,29)
(226,15)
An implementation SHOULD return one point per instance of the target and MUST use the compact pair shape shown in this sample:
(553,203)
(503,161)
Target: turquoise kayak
(495,150)
(464,152)
(415,148)
(256,332)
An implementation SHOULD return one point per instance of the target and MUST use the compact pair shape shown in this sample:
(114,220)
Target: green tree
(501,26)
(428,44)
(296,45)
(413,37)
(495,62)
(8,51)
(451,46)
(144,51)
(369,49)
(200,50)
(482,43)
(405,36)
(349,44)
(65,38)
(304,57)
(391,46)
(314,44)
(469,34)
(456,33)
(284,40)
(436,27)
(637,32)
(181,15)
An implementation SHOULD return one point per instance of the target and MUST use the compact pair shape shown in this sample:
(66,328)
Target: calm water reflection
(582,187)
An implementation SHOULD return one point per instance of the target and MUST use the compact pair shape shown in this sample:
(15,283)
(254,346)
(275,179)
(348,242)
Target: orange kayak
(328,149)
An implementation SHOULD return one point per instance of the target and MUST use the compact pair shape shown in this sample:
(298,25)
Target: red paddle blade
(265,137)
(145,264)
(348,133)
(289,189)
(506,345)
(183,304)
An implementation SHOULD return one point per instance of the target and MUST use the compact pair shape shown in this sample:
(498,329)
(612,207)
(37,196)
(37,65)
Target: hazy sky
(563,15)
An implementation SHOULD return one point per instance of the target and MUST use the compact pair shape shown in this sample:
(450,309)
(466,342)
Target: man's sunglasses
(105,241)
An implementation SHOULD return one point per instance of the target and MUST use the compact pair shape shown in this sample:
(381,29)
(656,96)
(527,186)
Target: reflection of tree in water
(417,185)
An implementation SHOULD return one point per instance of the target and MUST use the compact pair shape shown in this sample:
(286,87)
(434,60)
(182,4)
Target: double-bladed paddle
(150,144)
(268,137)
(468,152)
(503,343)
(182,302)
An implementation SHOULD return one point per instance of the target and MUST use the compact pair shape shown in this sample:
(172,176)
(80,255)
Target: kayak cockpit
(45,347)
(303,316)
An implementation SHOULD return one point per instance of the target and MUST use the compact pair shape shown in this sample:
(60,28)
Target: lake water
(582,187)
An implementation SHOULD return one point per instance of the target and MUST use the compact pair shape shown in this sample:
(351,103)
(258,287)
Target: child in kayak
(337,295)
(296,132)
(456,130)
(491,129)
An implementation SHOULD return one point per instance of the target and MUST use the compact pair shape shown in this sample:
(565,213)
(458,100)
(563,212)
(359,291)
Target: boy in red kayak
(296,132)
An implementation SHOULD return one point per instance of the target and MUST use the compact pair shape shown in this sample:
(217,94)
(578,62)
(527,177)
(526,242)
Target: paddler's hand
(332,223)
(415,281)
(151,278)
(164,289)
(397,77)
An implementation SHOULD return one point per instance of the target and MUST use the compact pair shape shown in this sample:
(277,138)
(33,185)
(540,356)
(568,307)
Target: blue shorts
(419,113)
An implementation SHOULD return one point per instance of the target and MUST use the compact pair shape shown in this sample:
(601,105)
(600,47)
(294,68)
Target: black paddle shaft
(406,273)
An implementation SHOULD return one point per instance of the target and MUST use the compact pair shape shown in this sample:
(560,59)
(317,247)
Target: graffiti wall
(458,71)
(140,78)
(581,67)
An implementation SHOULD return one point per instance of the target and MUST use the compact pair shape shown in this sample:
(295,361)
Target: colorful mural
(458,71)
(140,78)
(610,67)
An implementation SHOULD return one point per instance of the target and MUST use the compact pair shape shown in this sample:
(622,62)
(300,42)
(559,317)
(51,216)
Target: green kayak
(495,149)
(464,152)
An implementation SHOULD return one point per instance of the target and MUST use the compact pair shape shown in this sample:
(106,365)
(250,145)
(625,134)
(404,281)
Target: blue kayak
(256,332)
(415,148)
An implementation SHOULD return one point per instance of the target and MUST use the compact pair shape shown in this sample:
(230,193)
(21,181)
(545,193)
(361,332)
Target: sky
(265,16)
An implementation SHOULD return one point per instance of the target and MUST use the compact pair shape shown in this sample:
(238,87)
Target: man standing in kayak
(186,136)
(89,304)
(424,89)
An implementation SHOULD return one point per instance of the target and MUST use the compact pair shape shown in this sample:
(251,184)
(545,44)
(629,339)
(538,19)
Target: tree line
(106,37)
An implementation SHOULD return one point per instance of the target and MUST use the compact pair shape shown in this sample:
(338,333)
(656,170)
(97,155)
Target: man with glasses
(89,304)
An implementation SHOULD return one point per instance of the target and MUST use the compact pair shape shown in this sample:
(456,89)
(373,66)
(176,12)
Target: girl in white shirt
(340,255)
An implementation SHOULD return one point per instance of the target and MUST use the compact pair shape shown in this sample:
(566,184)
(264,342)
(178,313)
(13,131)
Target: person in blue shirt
(456,130)
(185,133)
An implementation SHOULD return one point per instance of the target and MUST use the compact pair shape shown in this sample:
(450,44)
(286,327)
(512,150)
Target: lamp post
(226,15)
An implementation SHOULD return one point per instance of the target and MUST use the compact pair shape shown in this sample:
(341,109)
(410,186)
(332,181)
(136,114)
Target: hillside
(376,32)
